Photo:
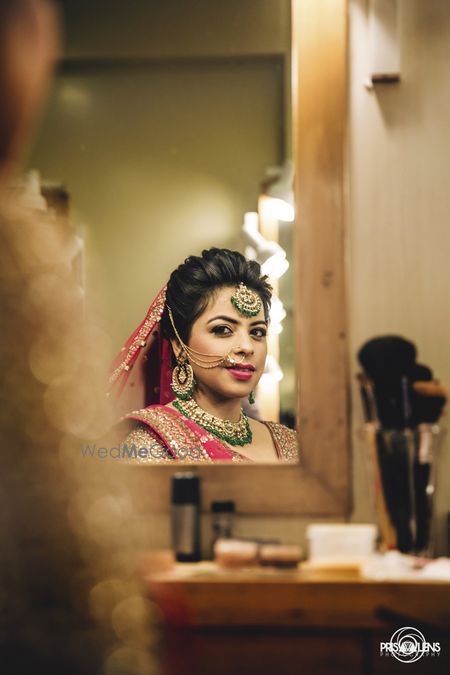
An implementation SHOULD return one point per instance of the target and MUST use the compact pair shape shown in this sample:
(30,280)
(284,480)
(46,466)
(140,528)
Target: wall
(163,120)
(399,227)
(160,162)
(175,28)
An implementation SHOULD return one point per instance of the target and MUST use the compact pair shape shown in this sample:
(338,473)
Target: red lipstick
(241,371)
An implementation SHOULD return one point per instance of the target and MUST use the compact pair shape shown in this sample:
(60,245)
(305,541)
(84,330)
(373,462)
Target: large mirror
(169,128)
(164,124)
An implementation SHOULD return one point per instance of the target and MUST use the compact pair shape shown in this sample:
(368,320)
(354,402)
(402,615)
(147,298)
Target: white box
(343,543)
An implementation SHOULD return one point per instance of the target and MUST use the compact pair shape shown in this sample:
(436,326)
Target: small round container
(233,553)
(340,542)
(277,555)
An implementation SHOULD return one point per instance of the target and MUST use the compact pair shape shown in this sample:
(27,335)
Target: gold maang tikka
(182,375)
(246,301)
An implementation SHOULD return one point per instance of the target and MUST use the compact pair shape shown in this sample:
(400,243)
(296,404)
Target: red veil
(141,372)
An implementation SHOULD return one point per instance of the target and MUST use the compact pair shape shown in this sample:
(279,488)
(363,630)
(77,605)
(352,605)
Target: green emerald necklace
(234,433)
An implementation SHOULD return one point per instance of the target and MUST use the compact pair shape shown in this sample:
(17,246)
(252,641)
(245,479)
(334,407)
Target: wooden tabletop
(202,595)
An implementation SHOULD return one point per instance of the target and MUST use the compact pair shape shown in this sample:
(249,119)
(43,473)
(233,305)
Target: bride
(200,350)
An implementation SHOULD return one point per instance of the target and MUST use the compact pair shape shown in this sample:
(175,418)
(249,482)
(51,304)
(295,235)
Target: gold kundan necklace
(234,433)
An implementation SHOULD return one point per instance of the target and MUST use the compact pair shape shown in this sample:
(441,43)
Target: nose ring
(230,360)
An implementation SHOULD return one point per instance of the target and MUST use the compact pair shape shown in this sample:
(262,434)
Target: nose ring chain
(217,359)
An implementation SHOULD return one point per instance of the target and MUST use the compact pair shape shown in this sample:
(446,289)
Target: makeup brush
(376,449)
(385,360)
(408,402)
(428,398)
(400,471)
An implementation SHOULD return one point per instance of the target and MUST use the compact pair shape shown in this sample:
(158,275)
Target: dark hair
(194,282)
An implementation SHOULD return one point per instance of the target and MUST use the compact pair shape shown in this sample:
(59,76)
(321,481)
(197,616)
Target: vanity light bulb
(250,253)
(251,221)
(281,209)
(272,371)
(275,328)
(276,265)
(277,311)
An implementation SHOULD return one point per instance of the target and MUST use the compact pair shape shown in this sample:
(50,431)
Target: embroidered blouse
(161,436)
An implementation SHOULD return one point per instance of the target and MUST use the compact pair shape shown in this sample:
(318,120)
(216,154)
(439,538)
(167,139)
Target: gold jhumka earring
(183,380)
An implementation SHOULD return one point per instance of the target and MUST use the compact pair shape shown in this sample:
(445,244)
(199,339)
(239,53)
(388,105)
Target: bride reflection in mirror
(185,375)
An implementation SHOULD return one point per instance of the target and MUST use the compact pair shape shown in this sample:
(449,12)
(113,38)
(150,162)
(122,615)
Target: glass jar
(222,520)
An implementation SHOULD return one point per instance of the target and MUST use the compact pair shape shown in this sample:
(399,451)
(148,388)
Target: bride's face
(220,329)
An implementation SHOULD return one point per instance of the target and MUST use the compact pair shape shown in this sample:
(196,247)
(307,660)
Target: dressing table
(262,620)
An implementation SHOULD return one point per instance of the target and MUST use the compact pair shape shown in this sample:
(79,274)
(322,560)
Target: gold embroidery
(148,449)
(286,441)
(154,314)
(179,438)
(186,446)
(238,458)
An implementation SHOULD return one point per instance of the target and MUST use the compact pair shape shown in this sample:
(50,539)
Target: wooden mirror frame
(321,485)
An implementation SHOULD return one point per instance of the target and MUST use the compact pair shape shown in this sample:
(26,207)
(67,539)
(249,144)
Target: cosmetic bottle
(186,517)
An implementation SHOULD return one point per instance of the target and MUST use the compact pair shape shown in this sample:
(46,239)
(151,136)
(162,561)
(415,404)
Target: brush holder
(403,473)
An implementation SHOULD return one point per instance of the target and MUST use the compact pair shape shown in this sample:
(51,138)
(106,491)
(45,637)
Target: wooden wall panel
(320,108)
